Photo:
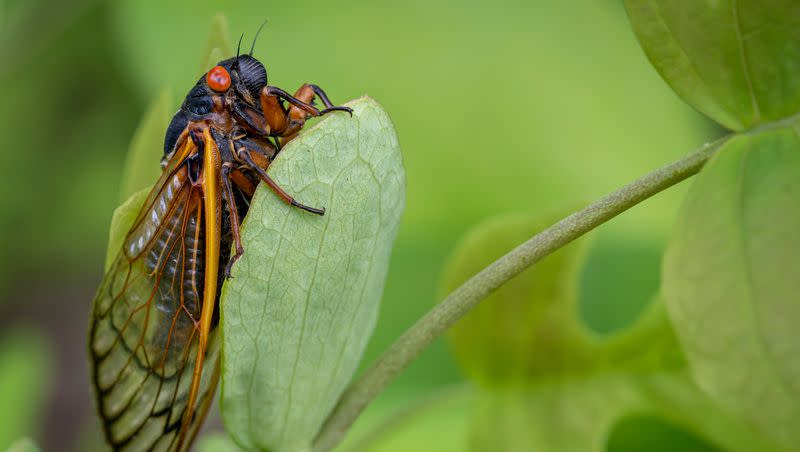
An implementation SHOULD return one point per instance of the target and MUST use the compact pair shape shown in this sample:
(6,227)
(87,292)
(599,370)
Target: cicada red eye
(218,79)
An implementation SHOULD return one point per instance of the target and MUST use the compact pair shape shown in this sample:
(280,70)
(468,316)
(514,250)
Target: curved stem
(408,346)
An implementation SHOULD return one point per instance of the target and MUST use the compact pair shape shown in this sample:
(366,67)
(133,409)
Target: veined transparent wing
(145,327)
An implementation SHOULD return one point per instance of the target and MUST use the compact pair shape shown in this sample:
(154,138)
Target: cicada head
(236,80)
(249,75)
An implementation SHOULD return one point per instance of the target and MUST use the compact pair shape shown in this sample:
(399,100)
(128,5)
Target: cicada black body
(152,341)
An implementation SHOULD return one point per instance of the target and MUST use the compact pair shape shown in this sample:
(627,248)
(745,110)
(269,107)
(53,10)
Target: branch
(468,295)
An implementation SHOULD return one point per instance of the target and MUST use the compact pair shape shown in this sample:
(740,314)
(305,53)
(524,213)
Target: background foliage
(519,107)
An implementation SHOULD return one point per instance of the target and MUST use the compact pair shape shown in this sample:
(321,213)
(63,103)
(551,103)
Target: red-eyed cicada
(153,346)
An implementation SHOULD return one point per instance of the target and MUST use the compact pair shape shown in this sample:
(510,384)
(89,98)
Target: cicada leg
(284,122)
(233,214)
(245,155)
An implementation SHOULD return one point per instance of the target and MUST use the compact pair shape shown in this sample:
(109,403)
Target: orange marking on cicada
(212,221)
(243,183)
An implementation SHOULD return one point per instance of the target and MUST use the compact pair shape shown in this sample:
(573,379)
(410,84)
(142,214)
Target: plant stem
(459,302)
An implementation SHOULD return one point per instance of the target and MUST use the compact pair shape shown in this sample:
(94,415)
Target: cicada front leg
(284,122)
(256,162)
(226,174)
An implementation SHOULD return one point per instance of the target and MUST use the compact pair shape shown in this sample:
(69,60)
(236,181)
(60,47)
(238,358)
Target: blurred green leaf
(618,275)
(25,367)
(121,222)
(731,282)
(23,445)
(579,414)
(147,146)
(303,300)
(527,327)
(738,61)
(218,46)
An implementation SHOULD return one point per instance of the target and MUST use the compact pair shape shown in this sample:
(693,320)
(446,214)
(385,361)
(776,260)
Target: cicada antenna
(238,48)
(253,45)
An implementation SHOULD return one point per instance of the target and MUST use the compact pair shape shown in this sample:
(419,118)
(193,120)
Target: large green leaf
(731,281)
(304,298)
(738,61)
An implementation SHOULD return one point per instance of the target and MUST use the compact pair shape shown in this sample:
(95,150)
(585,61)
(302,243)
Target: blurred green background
(520,106)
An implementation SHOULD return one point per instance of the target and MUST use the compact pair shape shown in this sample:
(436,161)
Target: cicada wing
(144,334)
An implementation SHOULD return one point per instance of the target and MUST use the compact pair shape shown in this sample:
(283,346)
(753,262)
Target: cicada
(153,337)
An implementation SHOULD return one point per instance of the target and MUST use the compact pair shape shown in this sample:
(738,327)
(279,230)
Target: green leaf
(304,298)
(25,369)
(147,146)
(737,61)
(218,46)
(731,283)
